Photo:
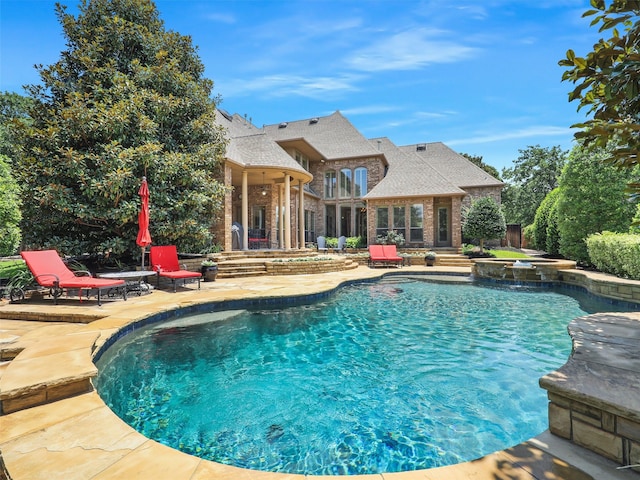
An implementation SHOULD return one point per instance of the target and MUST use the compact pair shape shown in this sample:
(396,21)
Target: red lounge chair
(49,271)
(165,263)
(391,254)
(376,255)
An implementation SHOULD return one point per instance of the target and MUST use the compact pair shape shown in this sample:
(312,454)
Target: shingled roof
(457,169)
(251,147)
(409,175)
(333,136)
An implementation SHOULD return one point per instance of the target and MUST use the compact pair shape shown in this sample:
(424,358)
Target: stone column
(287,211)
(245,211)
(301,214)
(280,216)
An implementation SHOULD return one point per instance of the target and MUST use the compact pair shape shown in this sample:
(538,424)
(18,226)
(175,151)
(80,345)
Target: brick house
(294,181)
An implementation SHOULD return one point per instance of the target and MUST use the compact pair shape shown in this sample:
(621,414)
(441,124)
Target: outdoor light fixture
(264,188)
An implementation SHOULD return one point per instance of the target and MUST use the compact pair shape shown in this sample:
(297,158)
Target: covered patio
(263,207)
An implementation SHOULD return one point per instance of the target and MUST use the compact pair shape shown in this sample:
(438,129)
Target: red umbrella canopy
(144,237)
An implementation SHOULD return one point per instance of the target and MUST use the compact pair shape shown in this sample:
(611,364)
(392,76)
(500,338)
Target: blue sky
(480,76)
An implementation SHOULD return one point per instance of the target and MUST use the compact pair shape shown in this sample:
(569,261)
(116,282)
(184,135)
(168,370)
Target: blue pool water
(392,376)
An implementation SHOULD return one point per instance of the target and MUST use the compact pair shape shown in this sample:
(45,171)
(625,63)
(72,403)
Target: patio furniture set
(50,273)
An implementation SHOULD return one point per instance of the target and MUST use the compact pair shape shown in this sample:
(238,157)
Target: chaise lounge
(385,255)
(164,260)
(50,271)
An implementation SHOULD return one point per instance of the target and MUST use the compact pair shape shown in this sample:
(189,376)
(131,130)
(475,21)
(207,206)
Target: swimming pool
(392,376)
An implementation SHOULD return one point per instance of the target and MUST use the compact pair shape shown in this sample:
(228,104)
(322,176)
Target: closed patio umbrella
(144,237)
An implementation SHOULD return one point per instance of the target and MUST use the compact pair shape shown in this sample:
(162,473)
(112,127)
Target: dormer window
(421,147)
(302,160)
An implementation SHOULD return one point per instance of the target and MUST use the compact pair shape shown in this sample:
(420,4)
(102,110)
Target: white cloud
(530,132)
(409,50)
(221,18)
(287,85)
(369,110)
(443,114)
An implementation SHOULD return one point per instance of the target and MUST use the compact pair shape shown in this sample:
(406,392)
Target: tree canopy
(545,225)
(592,199)
(126,99)
(484,221)
(534,174)
(607,82)
(14,109)
(10,215)
(479,161)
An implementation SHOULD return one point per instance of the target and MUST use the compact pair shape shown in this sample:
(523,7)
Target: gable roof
(333,136)
(250,147)
(451,165)
(409,175)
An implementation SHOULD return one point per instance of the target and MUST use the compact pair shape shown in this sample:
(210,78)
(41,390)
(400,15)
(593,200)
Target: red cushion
(48,269)
(164,257)
(180,274)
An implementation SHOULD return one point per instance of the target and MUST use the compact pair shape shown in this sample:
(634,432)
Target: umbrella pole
(142,248)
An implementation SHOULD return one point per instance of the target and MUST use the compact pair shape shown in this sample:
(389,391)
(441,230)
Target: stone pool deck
(55,426)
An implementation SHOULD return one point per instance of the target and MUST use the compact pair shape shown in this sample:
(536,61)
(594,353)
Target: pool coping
(62,434)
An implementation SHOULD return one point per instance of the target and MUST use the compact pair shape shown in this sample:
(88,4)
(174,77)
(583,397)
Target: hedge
(615,253)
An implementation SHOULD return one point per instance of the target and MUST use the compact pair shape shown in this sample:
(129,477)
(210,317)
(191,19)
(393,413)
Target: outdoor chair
(391,254)
(385,255)
(322,244)
(342,245)
(376,255)
(257,239)
(50,271)
(164,260)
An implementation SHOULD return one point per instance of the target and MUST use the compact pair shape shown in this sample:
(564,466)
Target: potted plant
(209,270)
(430,259)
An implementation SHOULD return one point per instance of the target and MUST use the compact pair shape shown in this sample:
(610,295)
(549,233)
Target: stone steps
(453,261)
(271,266)
(234,269)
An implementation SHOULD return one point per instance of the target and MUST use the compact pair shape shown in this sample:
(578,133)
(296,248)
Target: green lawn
(508,254)
(8,268)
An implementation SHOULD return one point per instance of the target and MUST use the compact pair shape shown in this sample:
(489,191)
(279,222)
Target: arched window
(345,183)
(360,182)
(330,184)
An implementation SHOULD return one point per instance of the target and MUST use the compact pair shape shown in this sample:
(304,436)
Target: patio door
(345,220)
(443,227)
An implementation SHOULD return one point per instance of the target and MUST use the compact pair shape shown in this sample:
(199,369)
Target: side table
(134,279)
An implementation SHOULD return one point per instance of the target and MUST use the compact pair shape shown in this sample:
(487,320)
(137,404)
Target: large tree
(479,161)
(534,174)
(126,99)
(9,210)
(607,82)
(545,226)
(14,110)
(592,199)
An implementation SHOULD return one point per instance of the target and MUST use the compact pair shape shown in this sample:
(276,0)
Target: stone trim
(594,399)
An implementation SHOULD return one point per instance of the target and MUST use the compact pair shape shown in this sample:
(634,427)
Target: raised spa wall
(529,270)
(594,398)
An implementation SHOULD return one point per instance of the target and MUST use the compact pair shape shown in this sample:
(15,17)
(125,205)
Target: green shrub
(9,268)
(356,242)
(615,253)
(467,248)
(545,225)
(484,221)
(528,234)
(391,238)
(331,242)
